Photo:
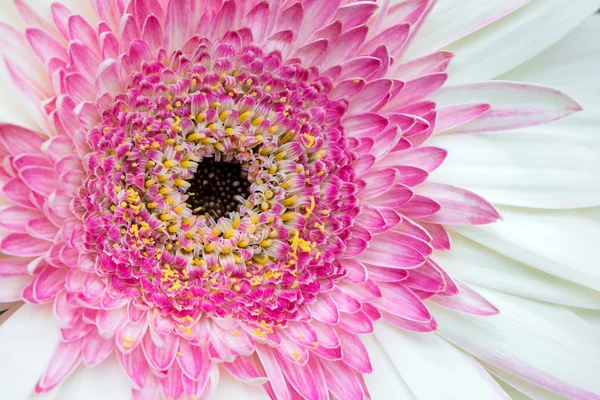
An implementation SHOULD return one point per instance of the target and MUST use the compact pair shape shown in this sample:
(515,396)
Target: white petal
(477,264)
(384,379)
(422,359)
(516,38)
(451,20)
(523,169)
(105,381)
(230,388)
(591,316)
(562,67)
(560,243)
(12,286)
(547,345)
(27,341)
(525,388)
(511,391)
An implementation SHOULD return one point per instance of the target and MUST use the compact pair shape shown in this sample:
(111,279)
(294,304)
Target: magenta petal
(64,361)
(342,381)
(426,158)
(308,380)
(401,301)
(365,124)
(358,322)
(355,353)
(387,250)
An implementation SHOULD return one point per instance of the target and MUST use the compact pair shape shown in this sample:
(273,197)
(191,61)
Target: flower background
(540,266)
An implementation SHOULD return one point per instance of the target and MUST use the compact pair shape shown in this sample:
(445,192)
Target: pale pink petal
(467,300)
(64,361)
(23,245)
(342,381)
(401,301)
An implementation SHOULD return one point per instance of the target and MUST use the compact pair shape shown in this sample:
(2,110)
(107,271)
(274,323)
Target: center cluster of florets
(190,124)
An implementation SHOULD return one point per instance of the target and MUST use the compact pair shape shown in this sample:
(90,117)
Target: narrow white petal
(451,20)
(473,263)
(105,381)
(524,387)
(560,243)
(562,66)
(591,316)
(544,344)
(385,381)
(511,391)
(516,38)
(526,170)
(27,341)
(425,358)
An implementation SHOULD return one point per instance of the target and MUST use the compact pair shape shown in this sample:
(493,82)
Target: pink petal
(467,301)
(316,15)
(388,250)
(440,240)
(394,37)
(301,332)
(64,361)
(81,30)
(366,124)
(386,274)
(419,207)
(325,309)
(426,158)
(429,64)
(110,321)
(257,20)
(415,326)
(308,380)
(326,335)
(454,116)
(417,89)
(347,47)
(342,381)
(425,278)
(379,181)
(145,8)
(359,67)
(401,301)
(194,362)
(15,218)
(458,206)
(152,32)
(371,95)
(311,53)
(108,78)
(135,366)
(41,180)
(96,349)
(160,357)
(355,353)
(44,45)
(19,244)
(354,14)
(274,372)
(357,322)
(18,140)
(247,369)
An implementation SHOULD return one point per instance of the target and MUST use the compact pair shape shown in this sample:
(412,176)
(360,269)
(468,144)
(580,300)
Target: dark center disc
(215,186)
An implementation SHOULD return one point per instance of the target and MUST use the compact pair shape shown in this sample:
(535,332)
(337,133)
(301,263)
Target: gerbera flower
(218,192)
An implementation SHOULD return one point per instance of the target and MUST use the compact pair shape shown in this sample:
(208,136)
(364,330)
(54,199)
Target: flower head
(240,184)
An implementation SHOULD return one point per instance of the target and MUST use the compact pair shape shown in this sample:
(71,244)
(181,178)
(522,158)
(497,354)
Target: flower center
(219,183)
(217,188)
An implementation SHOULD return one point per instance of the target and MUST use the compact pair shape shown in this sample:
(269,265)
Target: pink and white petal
(513,105)
(388,250)
(467,301)
(416,90)
(535,27)
(272,368)
(476,264)
(160,357)
(308,380)
(247,370)
(194,362)
(522,341)
(23,245)
(18,140)
(558,243)
(427,158)
(25,351)
(429,64)
(421,359)
(355,354)
(451,117)
(458,206)
(499,167)
(66,357)
(91,383)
